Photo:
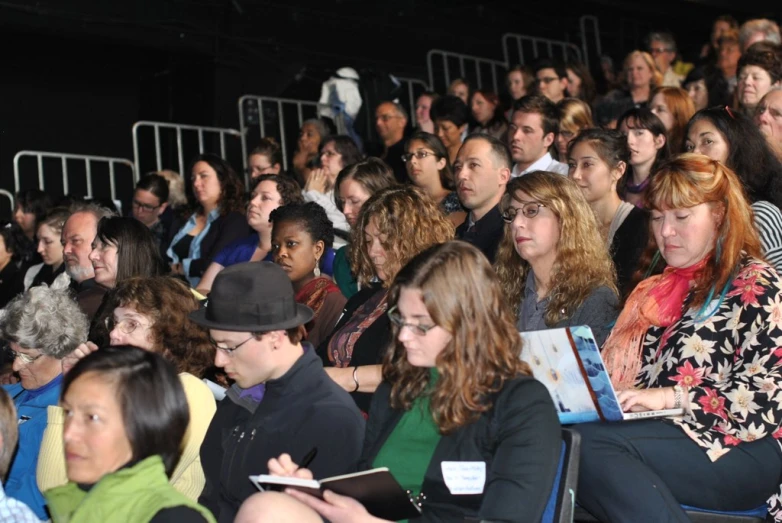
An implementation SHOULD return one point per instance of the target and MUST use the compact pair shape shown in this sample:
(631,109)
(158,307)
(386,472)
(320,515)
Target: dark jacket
(11,283)
(628,245)
(519,439)
(486,234)
(301,410)
(224,230)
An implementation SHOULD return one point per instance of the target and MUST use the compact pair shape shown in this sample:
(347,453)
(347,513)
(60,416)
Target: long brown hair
(692,179)
(463,296)
(583,262)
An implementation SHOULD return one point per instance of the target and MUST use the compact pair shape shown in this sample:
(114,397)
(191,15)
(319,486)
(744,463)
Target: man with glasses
(662,47)
(150,201)
(552,80)
(282,400)
(390,122)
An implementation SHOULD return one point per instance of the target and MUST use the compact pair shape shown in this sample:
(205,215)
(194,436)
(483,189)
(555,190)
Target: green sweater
(133,495)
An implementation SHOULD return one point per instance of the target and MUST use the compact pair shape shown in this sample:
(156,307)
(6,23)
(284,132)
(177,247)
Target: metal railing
(10,197)
(546,47)
(201,133)
(596,29)
(480,72)
(64,158)
(410,93)
(253,112)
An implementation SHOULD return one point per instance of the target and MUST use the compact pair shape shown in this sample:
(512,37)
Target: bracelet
(677,396)
(355,378)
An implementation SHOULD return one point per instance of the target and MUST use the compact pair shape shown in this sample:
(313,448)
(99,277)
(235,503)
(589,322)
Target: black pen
(305,462)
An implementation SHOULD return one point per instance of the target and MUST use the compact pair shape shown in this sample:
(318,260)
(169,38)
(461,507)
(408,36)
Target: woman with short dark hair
(126,415)
(50,248)
(760,69)
(451,118)
(150,207)
(123,248)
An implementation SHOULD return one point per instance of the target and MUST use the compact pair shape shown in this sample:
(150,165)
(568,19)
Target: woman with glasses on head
(266,158)
(454,391)
(269,191)
(335,154)
(149,206)
(734,140)
(151,314)
(429,168)
(42,326)
(552,261)
(394,225)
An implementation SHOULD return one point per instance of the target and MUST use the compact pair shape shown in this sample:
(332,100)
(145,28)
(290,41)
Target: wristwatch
(678,392)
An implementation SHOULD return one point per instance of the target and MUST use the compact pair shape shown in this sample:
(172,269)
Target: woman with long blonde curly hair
(552,261)
(454,388)
(394,225)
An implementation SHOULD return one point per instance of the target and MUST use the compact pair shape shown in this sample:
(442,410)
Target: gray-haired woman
(42,326)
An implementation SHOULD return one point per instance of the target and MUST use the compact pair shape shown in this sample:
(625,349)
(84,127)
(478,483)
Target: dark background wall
(78,73)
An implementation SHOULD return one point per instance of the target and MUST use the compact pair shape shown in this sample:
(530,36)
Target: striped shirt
(768,221)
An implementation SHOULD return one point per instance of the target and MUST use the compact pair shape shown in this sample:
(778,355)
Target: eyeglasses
(144,207)
(546,80)
(418,154)
(127,325)
(229,350)
(416,328)
(24,358)
(528,210)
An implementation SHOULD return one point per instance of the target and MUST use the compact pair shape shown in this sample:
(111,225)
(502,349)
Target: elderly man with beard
(77,237)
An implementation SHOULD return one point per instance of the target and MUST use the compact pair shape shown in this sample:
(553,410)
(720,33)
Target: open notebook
(568,362)
(376,489)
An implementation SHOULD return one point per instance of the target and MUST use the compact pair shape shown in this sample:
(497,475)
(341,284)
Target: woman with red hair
(702,336)
(674,107)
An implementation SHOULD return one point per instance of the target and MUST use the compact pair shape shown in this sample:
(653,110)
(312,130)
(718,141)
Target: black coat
(519,439)
(301,410)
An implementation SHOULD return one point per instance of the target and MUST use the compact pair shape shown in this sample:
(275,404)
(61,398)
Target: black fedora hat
(252,297)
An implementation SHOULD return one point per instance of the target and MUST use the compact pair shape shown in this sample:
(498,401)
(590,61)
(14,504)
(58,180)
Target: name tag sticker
(464,477)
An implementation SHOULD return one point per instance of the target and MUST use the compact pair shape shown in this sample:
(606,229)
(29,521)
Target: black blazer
(519,439)
(225,230)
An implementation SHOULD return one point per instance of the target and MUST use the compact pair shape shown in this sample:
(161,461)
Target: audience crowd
(359,312)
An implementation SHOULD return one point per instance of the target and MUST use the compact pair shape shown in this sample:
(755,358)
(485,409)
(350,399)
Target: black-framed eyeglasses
(144,206)
(416,328)
(229,350)
(418,154)
(527,209)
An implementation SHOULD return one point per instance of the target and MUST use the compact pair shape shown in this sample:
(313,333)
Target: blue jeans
(644,470)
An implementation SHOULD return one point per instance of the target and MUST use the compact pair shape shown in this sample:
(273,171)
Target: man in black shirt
(390,121)
(482,170)
(282,400)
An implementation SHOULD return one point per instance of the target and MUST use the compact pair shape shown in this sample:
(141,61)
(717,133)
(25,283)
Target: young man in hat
(282,400)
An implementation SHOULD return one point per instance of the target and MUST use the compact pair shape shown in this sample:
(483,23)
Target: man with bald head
(78,234)
(390,122)
(768,117)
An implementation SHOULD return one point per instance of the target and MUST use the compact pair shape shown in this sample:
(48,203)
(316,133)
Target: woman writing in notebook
(702,336)
(455,397)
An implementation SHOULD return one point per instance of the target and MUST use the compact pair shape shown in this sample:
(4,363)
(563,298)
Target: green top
(133,494)
(410,446)
(342,274)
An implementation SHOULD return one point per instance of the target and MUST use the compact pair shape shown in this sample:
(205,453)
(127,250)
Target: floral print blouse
(731,364)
